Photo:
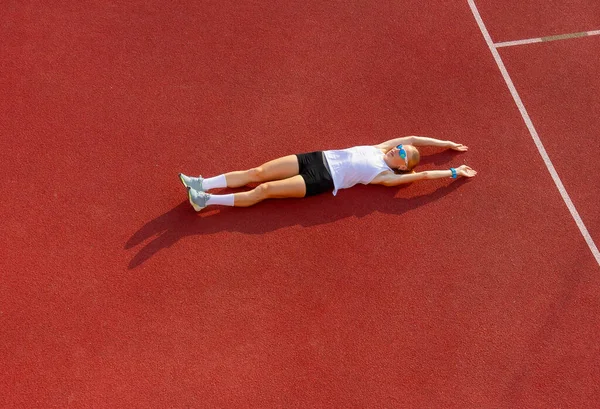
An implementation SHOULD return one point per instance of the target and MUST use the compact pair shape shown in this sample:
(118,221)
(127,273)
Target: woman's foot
(197,199)
(194,183)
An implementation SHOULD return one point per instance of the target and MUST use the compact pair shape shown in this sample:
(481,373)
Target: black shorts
(314,172)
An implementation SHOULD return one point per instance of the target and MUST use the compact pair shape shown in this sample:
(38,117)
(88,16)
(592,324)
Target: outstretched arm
(424,141)
(421,141)
(391,179)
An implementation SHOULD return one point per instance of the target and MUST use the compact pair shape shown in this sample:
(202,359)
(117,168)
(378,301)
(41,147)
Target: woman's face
(398,157)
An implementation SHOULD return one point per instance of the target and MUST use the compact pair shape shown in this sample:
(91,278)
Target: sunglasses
(402,153)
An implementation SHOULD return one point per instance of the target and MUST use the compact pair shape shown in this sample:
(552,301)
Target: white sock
(223,200)
(214,183)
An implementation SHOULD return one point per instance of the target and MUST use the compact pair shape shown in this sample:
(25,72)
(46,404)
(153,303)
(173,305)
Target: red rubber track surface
(478,293)
(559,84)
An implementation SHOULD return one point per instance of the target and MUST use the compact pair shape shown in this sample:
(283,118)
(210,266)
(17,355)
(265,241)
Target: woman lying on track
(309,174)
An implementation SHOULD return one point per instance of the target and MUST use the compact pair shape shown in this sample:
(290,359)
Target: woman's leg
(277,169)
(278,189)
(281,168)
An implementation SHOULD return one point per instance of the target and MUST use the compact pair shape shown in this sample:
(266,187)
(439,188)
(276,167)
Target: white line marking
(534,134)
(518,42)
(548,38)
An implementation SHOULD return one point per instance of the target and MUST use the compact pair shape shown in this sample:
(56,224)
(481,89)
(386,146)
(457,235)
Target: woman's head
(402,157)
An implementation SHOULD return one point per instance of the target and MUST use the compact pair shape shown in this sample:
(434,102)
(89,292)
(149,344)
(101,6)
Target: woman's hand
(465,171)
(458,147)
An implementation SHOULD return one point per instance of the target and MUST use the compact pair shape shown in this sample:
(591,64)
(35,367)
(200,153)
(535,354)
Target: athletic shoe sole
(194,205)
(182,182)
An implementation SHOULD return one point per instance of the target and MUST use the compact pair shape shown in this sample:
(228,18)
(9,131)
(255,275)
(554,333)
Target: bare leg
(277,169)
(290,187)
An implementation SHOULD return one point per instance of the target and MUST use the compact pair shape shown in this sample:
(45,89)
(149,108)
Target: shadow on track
(181,221)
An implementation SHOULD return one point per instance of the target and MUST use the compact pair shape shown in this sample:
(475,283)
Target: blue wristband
(453,173)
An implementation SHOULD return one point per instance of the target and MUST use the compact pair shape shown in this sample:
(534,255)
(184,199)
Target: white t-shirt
(359,164)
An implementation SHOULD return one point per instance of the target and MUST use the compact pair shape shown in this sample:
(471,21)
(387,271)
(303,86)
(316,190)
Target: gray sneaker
(194,183)
(198,199)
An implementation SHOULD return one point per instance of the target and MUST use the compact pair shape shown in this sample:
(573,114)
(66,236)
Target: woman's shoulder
(382,177)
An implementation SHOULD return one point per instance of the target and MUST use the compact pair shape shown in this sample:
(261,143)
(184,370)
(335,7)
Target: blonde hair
(415,158)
